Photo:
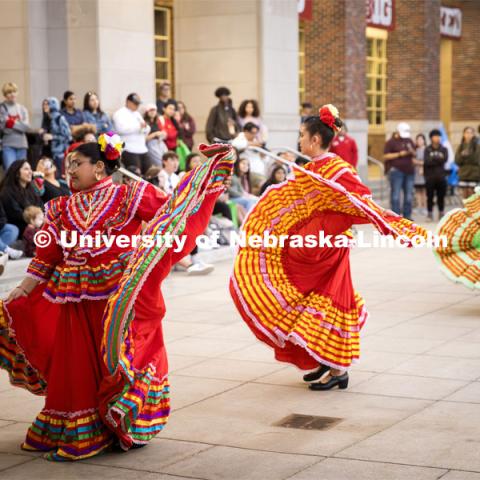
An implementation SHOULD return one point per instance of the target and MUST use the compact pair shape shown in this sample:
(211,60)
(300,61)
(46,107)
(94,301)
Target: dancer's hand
(17,292)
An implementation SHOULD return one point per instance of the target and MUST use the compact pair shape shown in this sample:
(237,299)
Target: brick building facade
(430,78)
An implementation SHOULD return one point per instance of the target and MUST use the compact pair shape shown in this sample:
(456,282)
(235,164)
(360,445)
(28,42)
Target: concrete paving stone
(372,361)
(158,454)
(408,307)
(189,390)
(457,349)
(441,318)
(8,460)
(383,343)
(413,330)
(225,369)
(205,347)
(244,417)
(436,298)
(257,352)
(469,394)
(178,362)
(444,435)
(408,386)
(241,464)
(342,469)
(19,405)
(472,336)
(4,381)
(177,330)
(440,367)
(40,469)
(12,436)
(457,475)
(203,317)
(236,331)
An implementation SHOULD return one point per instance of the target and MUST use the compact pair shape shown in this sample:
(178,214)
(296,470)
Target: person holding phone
(399,154)
(49,186)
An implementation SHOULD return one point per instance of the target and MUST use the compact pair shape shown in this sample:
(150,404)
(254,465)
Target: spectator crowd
(160,147)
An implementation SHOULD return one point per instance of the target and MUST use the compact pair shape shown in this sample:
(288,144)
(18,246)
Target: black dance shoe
(340,380)
(317,374)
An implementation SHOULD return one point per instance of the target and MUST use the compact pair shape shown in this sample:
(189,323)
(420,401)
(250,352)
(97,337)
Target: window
(301,62)
(376,78)
(163,45)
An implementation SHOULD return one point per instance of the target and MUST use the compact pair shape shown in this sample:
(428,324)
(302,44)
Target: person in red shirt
(345,147)
(168,125)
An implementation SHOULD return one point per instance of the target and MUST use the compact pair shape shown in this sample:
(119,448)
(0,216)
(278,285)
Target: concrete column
(250,46)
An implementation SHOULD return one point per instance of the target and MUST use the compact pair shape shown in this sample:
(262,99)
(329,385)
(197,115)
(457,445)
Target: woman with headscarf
(56,132)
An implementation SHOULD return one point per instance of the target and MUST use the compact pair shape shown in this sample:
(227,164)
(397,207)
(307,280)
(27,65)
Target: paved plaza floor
(412,410)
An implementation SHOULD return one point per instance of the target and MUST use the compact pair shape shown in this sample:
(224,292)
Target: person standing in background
(468,160)
(94,115)
(14,124)
(186,124)
(133,130)
(56,133)
(164,97)
(399,153)
(222,122)
(73,116)
(345,147)
(435,159)
(419,179)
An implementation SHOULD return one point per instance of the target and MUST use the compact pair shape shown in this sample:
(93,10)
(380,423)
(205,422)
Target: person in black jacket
(17,193)
(435,158)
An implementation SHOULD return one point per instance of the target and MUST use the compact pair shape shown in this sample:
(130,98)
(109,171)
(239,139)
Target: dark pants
(223,209)
(140,160)
(436,186)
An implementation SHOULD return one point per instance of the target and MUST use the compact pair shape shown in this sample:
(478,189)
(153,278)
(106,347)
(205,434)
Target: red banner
(304,8)
(381,14)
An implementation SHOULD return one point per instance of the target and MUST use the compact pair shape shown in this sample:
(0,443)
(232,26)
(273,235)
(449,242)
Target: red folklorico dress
(299,300)
(57,341)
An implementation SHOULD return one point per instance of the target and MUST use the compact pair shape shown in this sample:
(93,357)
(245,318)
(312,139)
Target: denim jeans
(246,203)
(8,234)
(401,182)
(10,154)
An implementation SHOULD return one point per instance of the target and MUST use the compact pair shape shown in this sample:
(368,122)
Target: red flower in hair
(327,117)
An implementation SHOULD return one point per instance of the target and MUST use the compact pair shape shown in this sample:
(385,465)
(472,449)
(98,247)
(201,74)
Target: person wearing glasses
(59,337)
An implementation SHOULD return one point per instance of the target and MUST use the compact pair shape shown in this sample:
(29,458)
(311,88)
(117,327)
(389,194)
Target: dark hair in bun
(93,152)
(315,126)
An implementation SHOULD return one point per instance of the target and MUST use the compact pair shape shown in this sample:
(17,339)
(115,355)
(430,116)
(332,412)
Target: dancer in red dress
(300,300)
(53,338)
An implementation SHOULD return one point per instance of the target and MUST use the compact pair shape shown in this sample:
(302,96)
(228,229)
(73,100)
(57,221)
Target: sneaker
(430,217)
(3,262)
(13,253)
(200,268)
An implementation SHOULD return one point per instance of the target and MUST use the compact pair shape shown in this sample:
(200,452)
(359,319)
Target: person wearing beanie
(222,122)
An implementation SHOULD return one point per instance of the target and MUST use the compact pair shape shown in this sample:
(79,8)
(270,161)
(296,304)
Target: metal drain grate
(308,422)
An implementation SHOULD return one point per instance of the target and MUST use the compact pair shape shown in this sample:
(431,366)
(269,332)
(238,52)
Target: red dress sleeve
(152,199)
(48,256)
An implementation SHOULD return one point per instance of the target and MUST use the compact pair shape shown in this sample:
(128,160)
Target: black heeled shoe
(317,374)
(340,380)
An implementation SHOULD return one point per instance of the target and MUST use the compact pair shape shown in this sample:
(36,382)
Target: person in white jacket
(133,130)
